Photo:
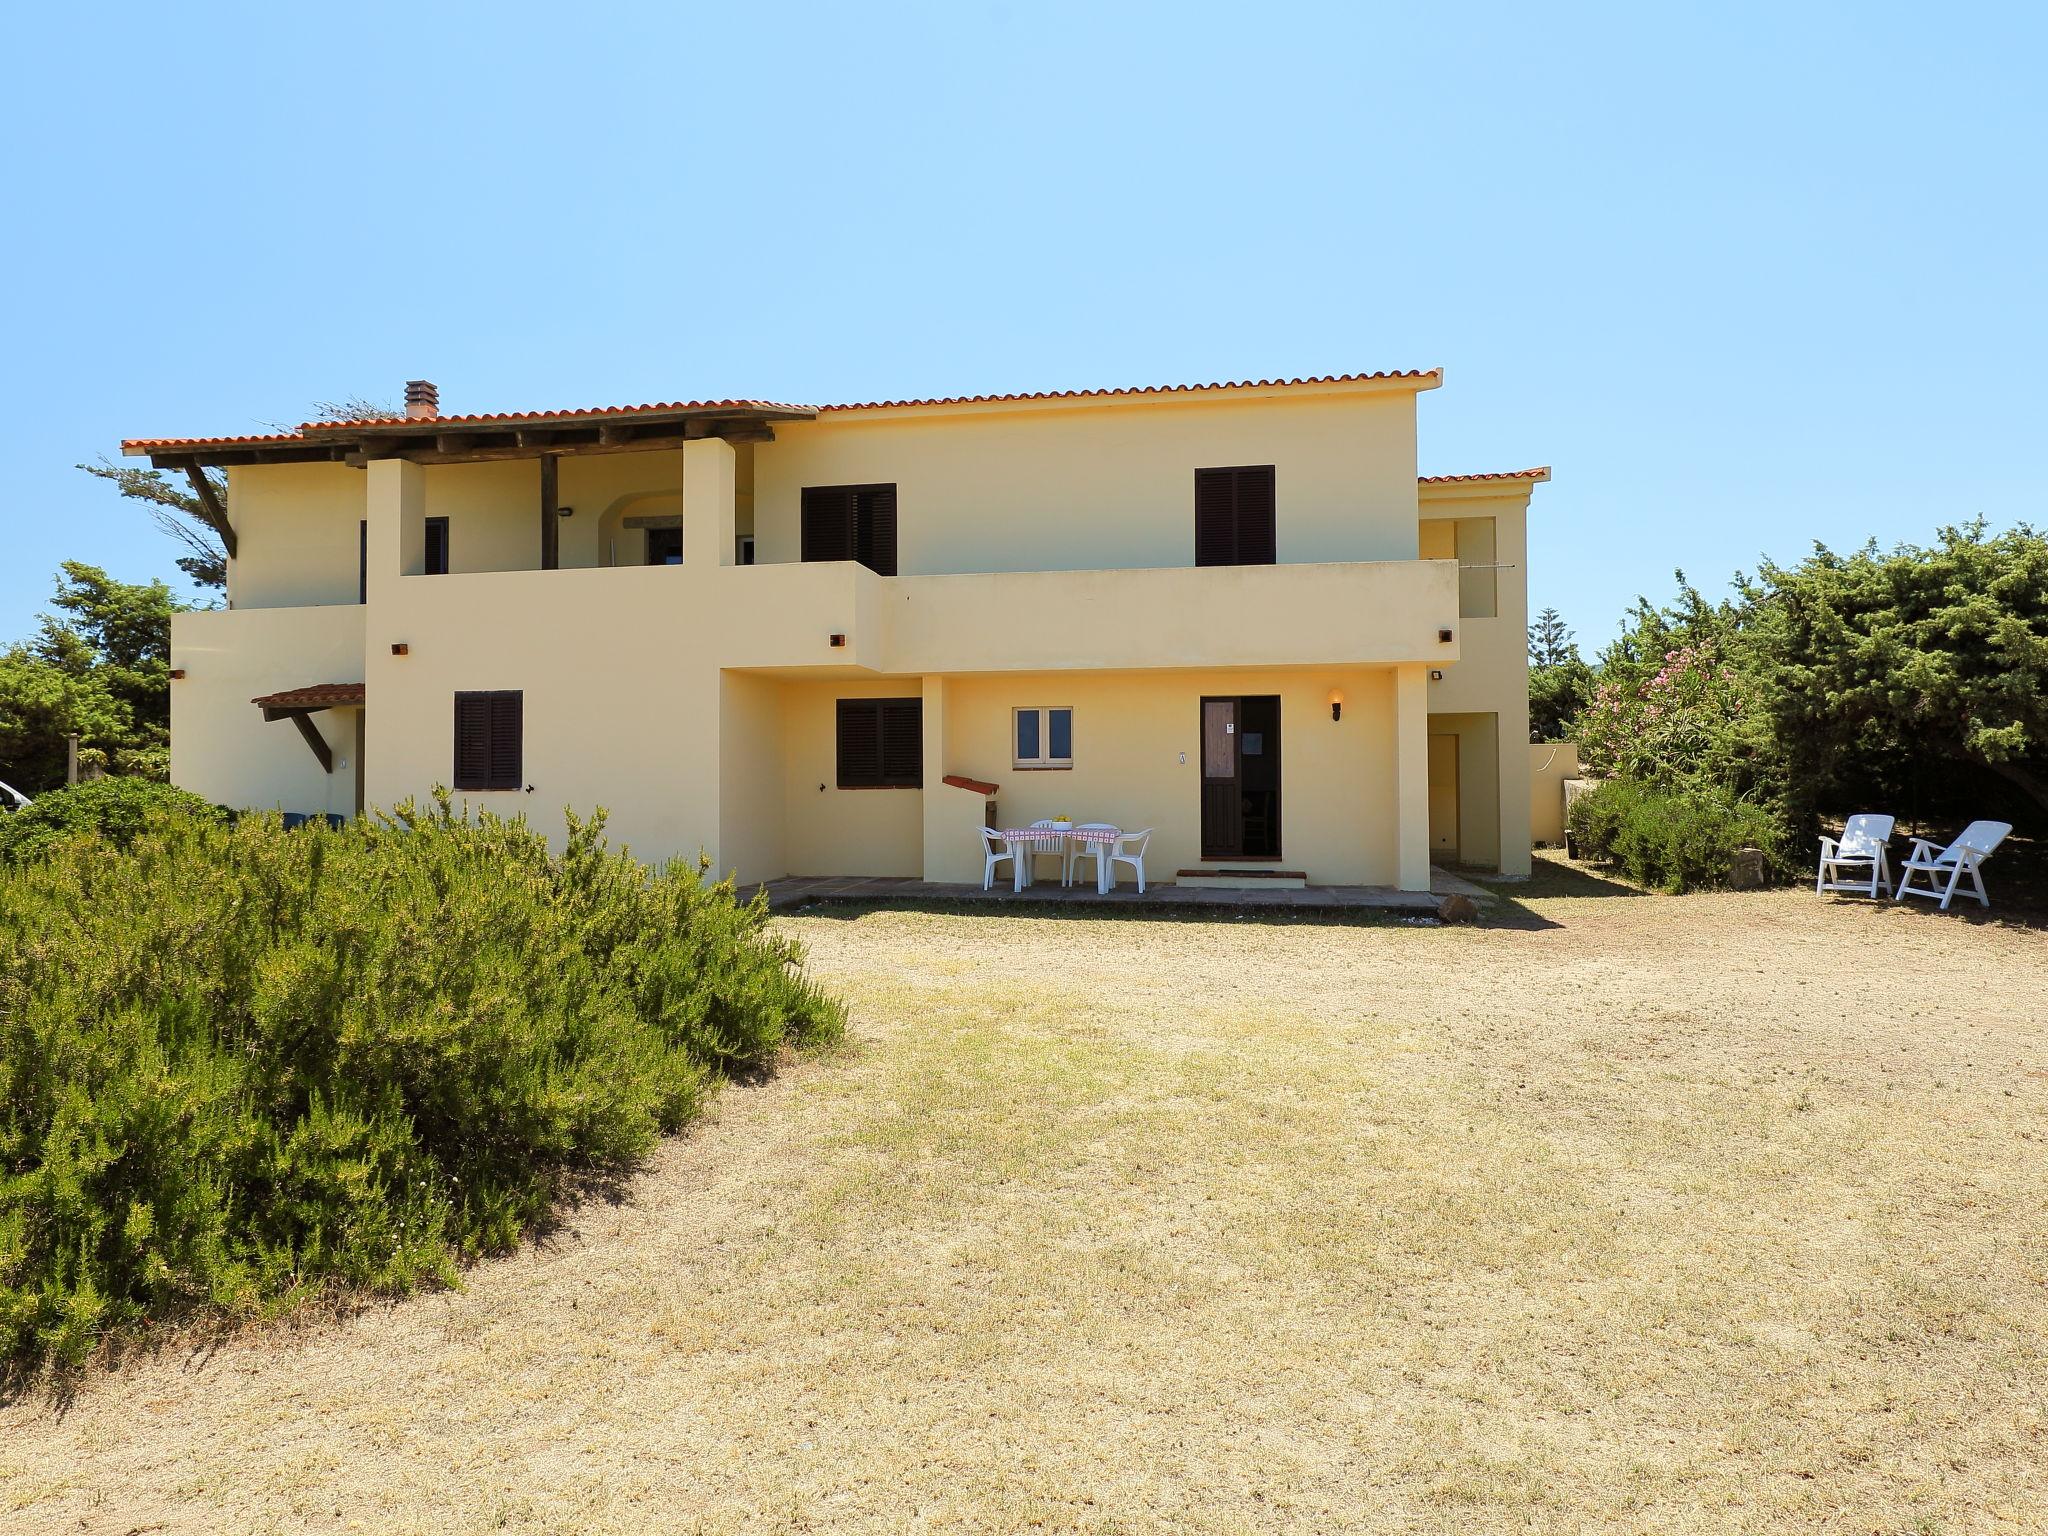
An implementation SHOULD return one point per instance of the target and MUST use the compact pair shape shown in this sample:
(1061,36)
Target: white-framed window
(1042,738)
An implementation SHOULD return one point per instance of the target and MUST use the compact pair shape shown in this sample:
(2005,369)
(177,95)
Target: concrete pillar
(396,508)
(710,503)
(1411,775)
(936,795)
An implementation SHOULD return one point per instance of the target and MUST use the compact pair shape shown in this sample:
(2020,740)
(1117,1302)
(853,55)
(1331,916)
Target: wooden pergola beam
(216,514)
(303,719)
(476,444)
(550,513)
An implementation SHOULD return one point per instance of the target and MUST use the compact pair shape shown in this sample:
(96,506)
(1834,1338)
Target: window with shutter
(881,743)
(489,740)
(827,522)
(874,528)
(1234,516)
(851,522)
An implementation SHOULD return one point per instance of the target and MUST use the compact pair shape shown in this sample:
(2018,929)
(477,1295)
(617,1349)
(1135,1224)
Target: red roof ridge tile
(1540,472)
(1137,390)
(570,413)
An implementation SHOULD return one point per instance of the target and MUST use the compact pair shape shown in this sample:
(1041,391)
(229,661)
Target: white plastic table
(1032,841)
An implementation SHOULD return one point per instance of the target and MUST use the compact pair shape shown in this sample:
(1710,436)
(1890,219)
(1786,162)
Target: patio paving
(825,890)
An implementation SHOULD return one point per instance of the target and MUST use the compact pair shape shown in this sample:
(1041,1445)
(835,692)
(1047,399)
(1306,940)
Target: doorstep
(1241,879)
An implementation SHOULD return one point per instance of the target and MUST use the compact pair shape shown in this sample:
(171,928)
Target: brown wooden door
(1241,777)
(1222,808)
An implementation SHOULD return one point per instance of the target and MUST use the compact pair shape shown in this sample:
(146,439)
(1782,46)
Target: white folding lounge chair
(1964,856)
(997,850)
(1860,861)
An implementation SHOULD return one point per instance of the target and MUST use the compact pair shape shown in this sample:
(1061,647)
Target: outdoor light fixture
(565,511)
(839,639)
(1444,635)
(1336,703)
(400,648)
(177,672)
(1436,674)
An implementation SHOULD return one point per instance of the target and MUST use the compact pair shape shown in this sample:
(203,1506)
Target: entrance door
(1241,777)
(1443,799)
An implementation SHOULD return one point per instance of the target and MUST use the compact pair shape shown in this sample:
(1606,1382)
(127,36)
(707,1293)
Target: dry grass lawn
(1629,1214)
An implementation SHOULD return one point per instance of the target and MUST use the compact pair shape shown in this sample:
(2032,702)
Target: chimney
(422,400)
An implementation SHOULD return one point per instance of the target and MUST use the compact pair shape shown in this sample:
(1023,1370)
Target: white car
(11,799)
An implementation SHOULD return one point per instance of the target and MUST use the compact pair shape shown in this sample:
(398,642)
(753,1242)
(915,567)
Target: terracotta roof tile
(131,443)
(312,431)
(1148,389)
(572,413)
(1540,473)
(319,696)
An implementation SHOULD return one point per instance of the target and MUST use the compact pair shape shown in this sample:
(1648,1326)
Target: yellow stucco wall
(1131,733)
(834,831)
(297,527)
(696,701)
(1491,676)
(1550,764)
(1108,484)
(221,746)
(1479,759)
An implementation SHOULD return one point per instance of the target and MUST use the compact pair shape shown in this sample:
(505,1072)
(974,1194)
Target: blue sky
(1747,277)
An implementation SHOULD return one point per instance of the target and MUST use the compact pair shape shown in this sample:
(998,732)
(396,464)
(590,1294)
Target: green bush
(1676,840)
(115,808)
(240,1065)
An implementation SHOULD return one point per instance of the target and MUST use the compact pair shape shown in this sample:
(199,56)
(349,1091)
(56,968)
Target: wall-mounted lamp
(1444,636)
(400,648)
(565,511)
(177,672)
(1336,703)
(1436,674)
(839,639)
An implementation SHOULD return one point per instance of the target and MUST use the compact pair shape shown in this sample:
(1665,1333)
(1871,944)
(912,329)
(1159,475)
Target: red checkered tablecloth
(1015,835)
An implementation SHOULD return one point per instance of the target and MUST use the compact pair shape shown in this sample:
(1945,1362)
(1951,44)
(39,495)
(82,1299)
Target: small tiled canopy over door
(851,522)
(1234,516)
(488,740)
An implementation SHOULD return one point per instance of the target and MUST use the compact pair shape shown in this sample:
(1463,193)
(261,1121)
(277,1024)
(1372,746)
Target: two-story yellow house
(803,640)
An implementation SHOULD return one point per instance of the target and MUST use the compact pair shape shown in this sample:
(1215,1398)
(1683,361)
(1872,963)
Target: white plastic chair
(1965,856)
(997,850)
(1077,850)
(1129,848)
(1062,849)
(1860,861)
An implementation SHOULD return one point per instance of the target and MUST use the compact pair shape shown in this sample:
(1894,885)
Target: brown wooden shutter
(881,743)
(1234,516)
(490,740)
(508,755)
(903,742)
(1215,517)
(860,743)
(874,528)
(472,740)
(827,522)
(1256,544)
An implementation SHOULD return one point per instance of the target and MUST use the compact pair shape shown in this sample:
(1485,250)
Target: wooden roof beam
(215,514)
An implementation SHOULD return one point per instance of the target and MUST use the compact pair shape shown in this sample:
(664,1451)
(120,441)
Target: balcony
(1384,611)
(841,616)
